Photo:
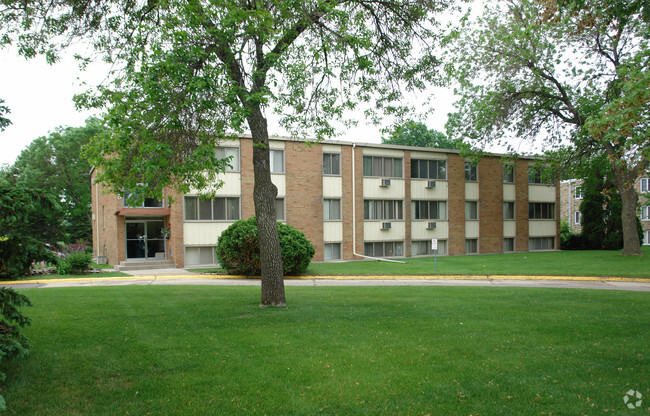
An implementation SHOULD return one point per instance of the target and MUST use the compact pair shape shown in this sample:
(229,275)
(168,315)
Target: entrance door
(144,239)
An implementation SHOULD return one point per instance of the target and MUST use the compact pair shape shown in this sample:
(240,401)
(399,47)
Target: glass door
(144,239)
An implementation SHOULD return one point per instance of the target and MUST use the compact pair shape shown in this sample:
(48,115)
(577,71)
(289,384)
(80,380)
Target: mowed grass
(210,350)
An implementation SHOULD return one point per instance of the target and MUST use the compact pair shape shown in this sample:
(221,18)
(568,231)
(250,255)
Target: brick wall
(358,160)
(490,205)
(174,221)
(456,204)
(521,205)
(407,203)
(247,178)
(304,192)
(347,202)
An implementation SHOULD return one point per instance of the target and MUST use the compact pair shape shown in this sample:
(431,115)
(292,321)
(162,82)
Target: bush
(74,263)
(238,249)
(63,267)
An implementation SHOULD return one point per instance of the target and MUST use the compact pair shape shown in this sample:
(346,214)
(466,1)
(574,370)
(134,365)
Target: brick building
(571,198)
(351,200)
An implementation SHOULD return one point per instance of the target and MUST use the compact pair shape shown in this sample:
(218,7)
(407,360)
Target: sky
(40,100)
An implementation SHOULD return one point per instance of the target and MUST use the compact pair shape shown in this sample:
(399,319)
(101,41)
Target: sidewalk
(184,277)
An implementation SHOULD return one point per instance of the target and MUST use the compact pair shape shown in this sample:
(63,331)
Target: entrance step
(145,265)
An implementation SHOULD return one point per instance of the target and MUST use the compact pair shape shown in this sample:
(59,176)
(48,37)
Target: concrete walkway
(184,277)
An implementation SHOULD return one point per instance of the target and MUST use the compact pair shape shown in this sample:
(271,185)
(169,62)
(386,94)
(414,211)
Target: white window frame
(330,164)
(577,217)
(227,152)
(646,240)
(327,209)
(579,193)
(644,185)
(645,213)
(274,154)
(468,217)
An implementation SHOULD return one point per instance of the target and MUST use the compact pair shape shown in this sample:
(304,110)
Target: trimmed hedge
(238,249)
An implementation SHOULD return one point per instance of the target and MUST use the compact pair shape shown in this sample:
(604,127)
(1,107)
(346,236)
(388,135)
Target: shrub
(79,262)
(238,249)
(63,267)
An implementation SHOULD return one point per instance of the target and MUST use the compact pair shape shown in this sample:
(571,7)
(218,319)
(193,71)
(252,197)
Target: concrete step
(145,265)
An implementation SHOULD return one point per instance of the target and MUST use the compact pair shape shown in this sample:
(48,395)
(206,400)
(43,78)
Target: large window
(332,209)
(645,213)
(541,243)
(428,169)
(508,173)
(384,249)
(229,152)
(541,211)
(331,164)
(471,210)
(508,210)
(538,176)
(429,210)
(332,251)
(387,167)
(382,210)
(200,255)
(471,172)
(423,248)
(471,246)
(213,209)
(646,240)
(508,245)
(644,185)
(277,161)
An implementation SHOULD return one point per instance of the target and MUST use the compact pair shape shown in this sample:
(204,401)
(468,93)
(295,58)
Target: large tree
(193,71)
(557,70)
(416,133)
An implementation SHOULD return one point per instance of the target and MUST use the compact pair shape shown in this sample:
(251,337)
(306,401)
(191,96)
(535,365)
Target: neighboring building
(571,198)
(350,200)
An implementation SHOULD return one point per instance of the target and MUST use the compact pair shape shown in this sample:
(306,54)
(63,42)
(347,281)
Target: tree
(4,121)
(557,70)
(194,71)
(415,133)
(54,165)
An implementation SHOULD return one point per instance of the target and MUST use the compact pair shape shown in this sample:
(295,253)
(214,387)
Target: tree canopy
(415,133)
(567,73)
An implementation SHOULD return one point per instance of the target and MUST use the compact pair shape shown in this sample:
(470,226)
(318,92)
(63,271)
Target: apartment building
(352,201)
(571,197)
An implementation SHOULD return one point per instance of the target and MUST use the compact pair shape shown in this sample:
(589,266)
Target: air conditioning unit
(431,184)
(431,225)
(385,226)
(385,182)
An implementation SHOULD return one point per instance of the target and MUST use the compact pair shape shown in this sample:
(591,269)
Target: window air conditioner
(431,226)
(385,226)
(431,184)
(385,182)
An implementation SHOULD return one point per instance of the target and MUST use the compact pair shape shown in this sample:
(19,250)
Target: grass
(554,263)
(192,350)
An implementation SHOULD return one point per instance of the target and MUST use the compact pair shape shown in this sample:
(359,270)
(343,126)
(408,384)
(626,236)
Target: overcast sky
(40,99)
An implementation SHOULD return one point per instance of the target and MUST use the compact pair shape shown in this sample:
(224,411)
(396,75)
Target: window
(541,243)
(645,185)
(331,164)
(471,210)
(429,210)
(131,197)
(578,216)
(332,209)
(423,248)
(332,251)
(541,211)
(508,210)
(279,209)
(645,213)
(382,210)
(646,240)
(214,209)
(471,246)
(508,245)
(199,255)
(388,167)
(428,169)
(508,173)
(470,172)
(579,193)
(277,161)
(537,176)
(229,152)
(384,249)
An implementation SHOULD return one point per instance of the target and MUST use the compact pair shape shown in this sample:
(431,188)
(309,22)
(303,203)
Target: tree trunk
(264,194)
(629,199)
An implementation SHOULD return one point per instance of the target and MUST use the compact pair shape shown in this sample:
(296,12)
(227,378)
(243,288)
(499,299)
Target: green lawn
(556,263)
(210,350)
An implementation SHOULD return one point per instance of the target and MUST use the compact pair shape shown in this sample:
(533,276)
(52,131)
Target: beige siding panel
(509,228)
(371,151)
(419,190)
(428,155)
(372,231)
(419,230)
(279,181)
(509,192)
(203,233)
(471,191)
(230,187)
(331,148)
(372,189)
(541,193)
(541,228)
(332,187)
(471,229)
(332,231)
(276,145)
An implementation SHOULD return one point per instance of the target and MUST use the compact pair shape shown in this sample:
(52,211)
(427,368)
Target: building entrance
(144,239)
